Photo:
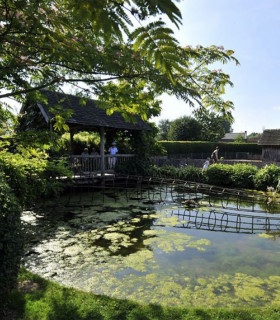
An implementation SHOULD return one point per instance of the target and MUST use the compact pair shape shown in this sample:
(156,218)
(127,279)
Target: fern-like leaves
(157,44)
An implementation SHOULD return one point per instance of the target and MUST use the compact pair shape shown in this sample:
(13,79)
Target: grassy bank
(40,299)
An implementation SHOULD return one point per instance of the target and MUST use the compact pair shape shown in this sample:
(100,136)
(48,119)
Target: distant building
(231,136)
(253,140)
(270,142)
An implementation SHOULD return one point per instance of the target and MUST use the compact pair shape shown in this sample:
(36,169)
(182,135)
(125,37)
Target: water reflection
(155,251)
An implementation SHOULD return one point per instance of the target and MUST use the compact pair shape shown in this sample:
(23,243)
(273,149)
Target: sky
(252,29)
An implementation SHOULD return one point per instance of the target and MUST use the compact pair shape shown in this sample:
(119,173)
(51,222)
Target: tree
(184,128)
(111,48)
(213,126)
(7,119)
(254,135)
(239,139)
(163,129)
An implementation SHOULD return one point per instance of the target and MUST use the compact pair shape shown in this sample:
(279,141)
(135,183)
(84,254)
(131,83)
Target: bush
(237,176)
(22,173)
(30,175)
(267,176)
(11,239)
(219,175)
(188,173)
(243,176)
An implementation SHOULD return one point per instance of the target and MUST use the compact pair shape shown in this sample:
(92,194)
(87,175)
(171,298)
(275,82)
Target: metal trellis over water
(198,205)
(226,221)
(155,189)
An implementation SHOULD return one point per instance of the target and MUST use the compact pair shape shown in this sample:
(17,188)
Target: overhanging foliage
(110,47)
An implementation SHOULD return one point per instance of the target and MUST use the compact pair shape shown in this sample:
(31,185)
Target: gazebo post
(72,141)
(102,148)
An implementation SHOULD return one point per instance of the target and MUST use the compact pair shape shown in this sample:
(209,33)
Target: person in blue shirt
(113,150)
(206,164)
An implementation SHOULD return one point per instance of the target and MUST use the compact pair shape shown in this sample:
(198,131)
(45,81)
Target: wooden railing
(92,163)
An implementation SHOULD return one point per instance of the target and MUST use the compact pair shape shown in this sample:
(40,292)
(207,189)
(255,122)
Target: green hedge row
(11,238)
(242,175)
(186,147)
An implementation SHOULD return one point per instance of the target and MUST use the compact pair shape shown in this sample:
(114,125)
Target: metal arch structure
(222,221)
(228,210)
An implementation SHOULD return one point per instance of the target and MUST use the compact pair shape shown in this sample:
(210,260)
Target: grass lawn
(40,299)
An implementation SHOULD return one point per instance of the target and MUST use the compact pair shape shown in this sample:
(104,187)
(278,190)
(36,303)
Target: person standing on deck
(113,150)
(85,159)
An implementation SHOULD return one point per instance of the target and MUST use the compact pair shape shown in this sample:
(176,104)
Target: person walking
(215,155)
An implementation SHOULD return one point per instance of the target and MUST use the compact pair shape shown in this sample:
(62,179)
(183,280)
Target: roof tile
(270,137)
(89,115)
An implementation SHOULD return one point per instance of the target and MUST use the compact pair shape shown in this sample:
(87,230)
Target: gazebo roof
(270,137)
(87,116)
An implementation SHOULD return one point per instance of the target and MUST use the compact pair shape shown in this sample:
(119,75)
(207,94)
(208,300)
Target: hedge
(245,176)
(11,238)
(186,147)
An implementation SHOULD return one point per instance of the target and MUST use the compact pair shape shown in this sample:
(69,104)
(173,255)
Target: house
(82,117)
(270,142)
(232,136)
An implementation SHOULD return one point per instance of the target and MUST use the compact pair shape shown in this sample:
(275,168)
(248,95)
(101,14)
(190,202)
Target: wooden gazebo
(270,142)
(85,117)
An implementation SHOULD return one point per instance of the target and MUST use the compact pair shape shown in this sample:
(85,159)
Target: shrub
(166,172)
(11,240)
(30,174)
(21,173)
(243,175)
(188,173)
(219,175)
(267,176)
(192,173)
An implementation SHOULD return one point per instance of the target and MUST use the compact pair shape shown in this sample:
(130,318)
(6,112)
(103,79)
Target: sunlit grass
(45,300)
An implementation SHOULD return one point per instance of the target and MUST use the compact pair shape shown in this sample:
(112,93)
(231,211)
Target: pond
(164,251)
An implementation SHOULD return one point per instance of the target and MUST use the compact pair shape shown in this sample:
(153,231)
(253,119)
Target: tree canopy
(183,129)
(213,126)
(109,48)
(163,129)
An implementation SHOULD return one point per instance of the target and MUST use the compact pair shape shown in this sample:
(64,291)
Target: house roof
(233,135)
(88,115)
(270,137)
